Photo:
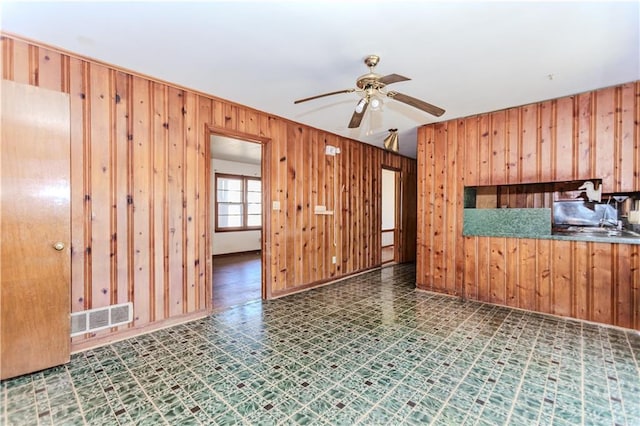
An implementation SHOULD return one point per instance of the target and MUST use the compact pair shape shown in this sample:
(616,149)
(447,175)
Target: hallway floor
(237,279)
(366,350)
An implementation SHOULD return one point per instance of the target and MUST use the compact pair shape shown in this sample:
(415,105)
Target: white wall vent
(101,318)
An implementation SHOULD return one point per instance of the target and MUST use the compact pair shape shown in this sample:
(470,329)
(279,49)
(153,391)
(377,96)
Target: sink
(611,232)
(593,231)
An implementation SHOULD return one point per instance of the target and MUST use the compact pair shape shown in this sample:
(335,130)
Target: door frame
(265,232)
(397,210)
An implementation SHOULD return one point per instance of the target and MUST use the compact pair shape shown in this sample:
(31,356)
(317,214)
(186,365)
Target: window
(238,203)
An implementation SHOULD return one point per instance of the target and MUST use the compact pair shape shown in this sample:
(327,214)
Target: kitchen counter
(595,234)
(536,223)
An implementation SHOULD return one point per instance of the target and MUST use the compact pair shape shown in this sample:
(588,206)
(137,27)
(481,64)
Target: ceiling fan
(372,87)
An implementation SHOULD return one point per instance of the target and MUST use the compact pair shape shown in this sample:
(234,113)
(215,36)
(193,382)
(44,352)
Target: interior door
(35,222)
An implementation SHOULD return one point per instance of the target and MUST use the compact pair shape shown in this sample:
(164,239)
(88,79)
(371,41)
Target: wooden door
(36,235)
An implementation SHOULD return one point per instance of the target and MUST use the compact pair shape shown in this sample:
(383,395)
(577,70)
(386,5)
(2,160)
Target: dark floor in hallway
(236,279)
(367,350)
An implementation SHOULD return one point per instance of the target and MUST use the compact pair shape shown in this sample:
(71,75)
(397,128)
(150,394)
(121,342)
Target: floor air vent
(101,318)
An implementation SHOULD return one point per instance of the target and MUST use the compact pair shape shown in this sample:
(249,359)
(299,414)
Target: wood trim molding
(85,345)
(322,283)
(235,134)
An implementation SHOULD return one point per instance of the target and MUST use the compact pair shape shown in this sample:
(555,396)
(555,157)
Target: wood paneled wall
(140,191)
(349,184)
(594,135)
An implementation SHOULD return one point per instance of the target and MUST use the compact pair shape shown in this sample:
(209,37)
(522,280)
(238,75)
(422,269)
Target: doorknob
(59,245)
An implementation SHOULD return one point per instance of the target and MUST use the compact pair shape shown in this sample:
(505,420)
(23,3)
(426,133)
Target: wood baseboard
(92,343)
(320,283)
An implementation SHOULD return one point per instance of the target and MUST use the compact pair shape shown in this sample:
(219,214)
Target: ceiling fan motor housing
(370,81)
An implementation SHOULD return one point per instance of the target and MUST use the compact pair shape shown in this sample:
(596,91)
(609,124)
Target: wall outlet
(320,209)
(334,260)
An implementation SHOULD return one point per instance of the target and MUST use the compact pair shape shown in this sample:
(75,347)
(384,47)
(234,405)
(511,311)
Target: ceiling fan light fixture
(376,103)
(391,141)
(361,104)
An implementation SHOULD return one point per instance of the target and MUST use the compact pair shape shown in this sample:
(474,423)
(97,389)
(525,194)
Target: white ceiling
(467,57)
(230,149)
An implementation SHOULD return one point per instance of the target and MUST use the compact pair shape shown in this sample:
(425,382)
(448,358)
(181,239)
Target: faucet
(607,221)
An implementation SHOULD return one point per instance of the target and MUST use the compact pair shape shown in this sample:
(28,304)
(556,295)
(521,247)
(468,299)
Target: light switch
(276,205)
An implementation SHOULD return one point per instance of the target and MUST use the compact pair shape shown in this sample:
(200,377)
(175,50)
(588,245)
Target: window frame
(245,210)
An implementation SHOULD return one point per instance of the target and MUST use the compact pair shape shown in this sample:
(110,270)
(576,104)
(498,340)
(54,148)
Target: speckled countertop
(530,223)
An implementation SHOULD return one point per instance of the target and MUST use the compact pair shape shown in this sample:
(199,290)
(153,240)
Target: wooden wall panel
(560,279)
(321,199)
(421,209)
(194,161)
(563,166)
(80,287)
(99,185)
(543,276)
(409,217)
(121,188)
(345,207)
(497,271)
(159,279)
(511,272)
(499,149)
(594,135)
(141,200)
(546,141)
(585,153)
(439,216)
(141,195)
(484,151)
(450,198)
(50,70)
(528,164)
(628,158)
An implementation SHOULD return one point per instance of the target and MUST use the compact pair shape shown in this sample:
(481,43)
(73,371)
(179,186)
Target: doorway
(236,220)
(389,232)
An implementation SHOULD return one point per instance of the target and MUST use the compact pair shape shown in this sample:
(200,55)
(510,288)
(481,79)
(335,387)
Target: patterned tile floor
(366,350)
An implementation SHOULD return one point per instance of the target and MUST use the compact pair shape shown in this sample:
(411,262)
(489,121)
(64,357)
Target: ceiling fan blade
(393,78)
(356,118)
(324,94)
(416,103)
